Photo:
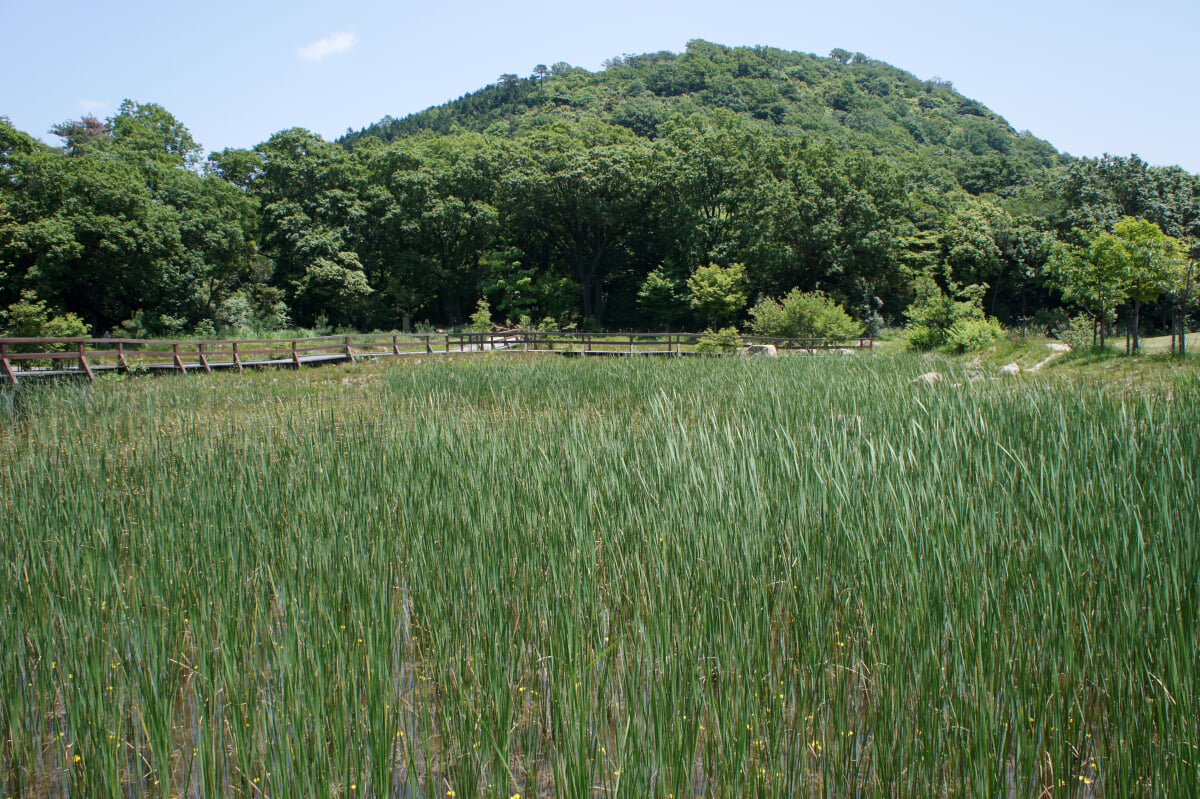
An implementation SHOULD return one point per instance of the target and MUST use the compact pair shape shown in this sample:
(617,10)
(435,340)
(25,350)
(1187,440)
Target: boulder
(927,379)
(1058,346)
(1010,370)
(766,350)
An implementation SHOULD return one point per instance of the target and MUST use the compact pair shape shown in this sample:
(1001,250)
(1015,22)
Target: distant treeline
(585,198)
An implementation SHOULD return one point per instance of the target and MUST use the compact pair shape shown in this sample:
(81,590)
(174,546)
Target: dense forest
(594,199)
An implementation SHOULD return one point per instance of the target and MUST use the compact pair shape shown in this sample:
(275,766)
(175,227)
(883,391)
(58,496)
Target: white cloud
(332,44)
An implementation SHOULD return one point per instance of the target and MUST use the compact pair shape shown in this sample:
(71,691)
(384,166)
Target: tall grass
(491,577)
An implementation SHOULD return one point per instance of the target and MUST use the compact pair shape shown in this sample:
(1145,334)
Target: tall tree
(1150,262)
(1090,277)
(311,194)
(584,204)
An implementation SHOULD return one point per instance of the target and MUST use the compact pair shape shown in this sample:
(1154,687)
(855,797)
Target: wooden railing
(663,343)
(44,357)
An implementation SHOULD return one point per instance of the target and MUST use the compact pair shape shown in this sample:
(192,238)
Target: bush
(205,329)
(725,340)
(1079,333)
(718,293)
(29,318)
(481,320)
(803,315)
(971,335)
(924,337)
(933,314)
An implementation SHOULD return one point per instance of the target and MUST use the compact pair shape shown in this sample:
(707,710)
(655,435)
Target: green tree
(1150,262)
(579,206)
(1090,277)
(149,131)
(718,293)
(933,313)
(662,298)
(30,318)
(803,315)
(1183,293)
(311,195)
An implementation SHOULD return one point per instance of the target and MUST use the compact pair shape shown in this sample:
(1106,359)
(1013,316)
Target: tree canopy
(604,198)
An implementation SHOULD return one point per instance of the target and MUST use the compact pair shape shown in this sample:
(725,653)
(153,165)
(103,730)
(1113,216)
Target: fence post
(204,360)
(349,352)
(85,365)
(237,359)
(395,345)
(295,355)
(178,360)
(8,370)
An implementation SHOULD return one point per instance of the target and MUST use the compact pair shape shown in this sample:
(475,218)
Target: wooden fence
(52,357)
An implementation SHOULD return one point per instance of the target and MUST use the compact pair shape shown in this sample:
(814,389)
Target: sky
(1089,76)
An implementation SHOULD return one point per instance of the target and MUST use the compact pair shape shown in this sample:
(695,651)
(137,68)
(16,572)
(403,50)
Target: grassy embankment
(499,576)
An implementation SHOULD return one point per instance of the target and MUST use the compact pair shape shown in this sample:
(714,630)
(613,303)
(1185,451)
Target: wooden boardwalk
(22,358)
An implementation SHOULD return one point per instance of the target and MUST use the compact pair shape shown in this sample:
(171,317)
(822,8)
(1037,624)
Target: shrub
(971,335)
(933,314)
(29,318)
(724,340)
(205,329)
(924,337)
(801,314)
(1079,332)
(718,293)
(481,320)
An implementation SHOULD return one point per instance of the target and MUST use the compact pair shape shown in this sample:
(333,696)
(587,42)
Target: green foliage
(481,320)
(573,194)
(933,313)
(1079,332)
(974,334)
(725,340)
(801,314)
(718,293)
(1135,263)
(30,318)
(662,297)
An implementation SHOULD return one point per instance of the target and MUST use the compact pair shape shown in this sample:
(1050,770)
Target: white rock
(927,379)
(1010,369)
(766,350)
(1058,346)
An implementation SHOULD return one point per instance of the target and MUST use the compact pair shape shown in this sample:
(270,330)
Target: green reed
(497,576)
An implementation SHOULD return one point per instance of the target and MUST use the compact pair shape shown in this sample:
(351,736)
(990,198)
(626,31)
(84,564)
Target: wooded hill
(849,99)
(579,197)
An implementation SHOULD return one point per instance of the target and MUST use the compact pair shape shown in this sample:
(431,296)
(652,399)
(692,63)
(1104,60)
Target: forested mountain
(585,198)
(847,98)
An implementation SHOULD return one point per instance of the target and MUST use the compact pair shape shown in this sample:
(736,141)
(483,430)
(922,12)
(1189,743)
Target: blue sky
(1090,77)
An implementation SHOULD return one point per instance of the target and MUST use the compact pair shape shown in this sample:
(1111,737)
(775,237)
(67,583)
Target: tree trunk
(1137,320)
(1182,333)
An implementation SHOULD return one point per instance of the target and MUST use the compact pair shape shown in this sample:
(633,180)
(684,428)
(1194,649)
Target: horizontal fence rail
(52,357)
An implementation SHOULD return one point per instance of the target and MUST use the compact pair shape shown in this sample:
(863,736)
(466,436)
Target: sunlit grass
(499,576)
